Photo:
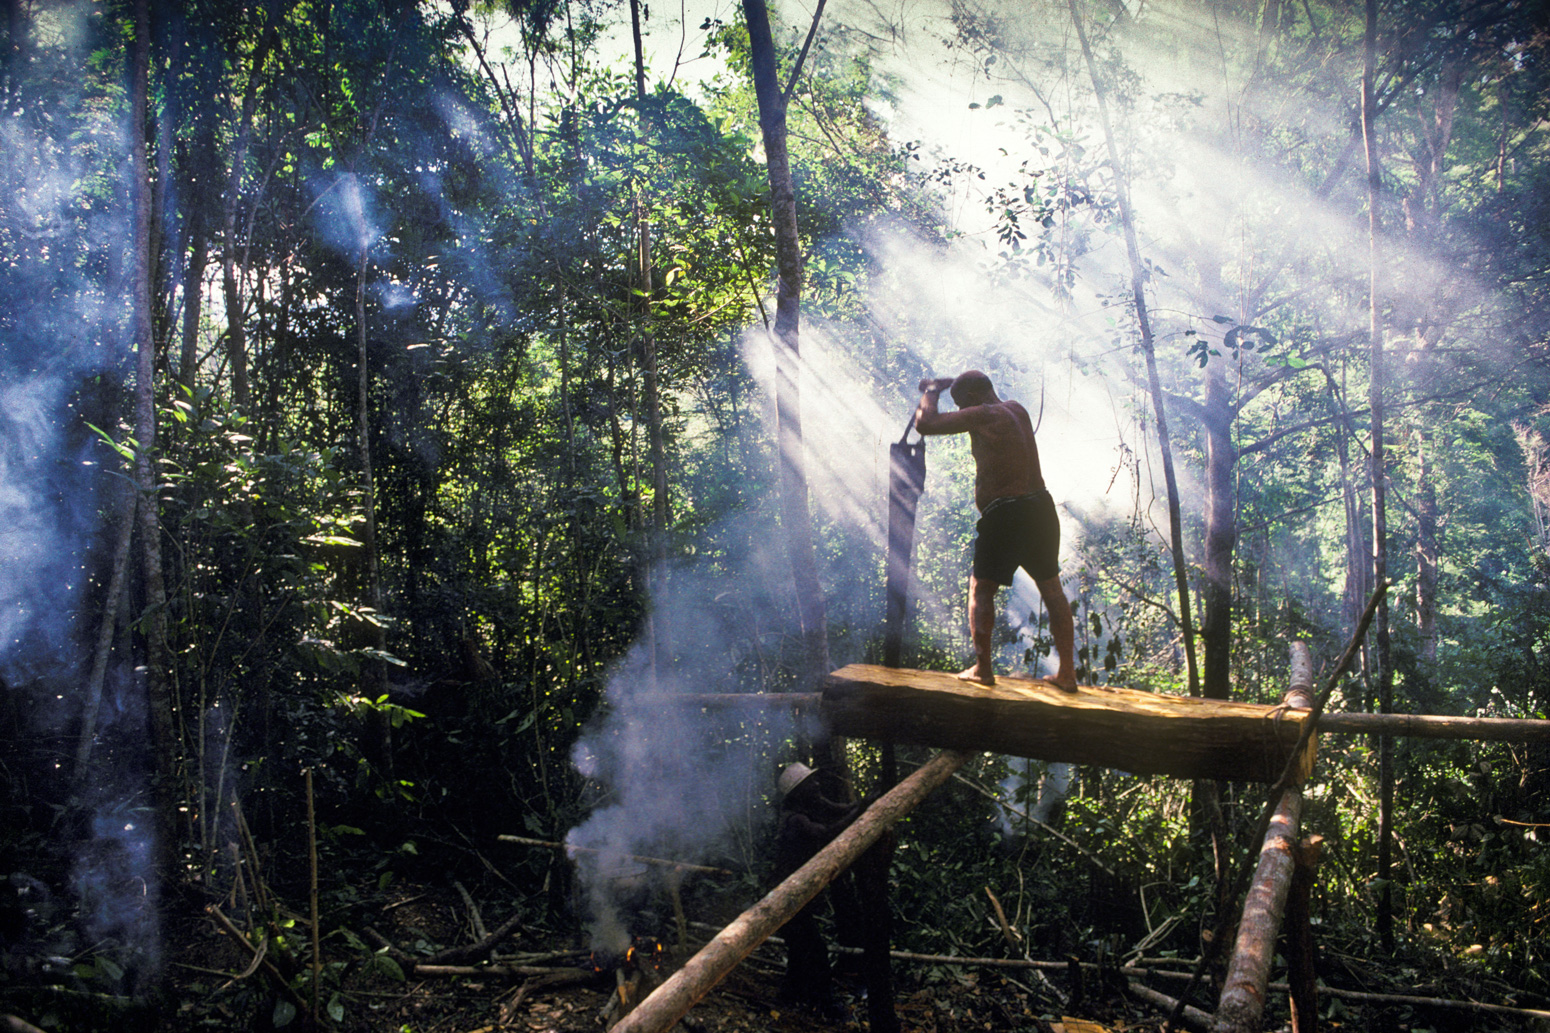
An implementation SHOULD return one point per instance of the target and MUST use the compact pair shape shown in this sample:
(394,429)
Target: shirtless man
(1017,526)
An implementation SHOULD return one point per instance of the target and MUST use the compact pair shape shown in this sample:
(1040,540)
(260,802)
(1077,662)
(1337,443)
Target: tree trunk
(1144,325)
(1427,552)
(788,293)
(1221,535)
(1385,671)
(661,647)
(158,689)
(1242,1004)
(193,295)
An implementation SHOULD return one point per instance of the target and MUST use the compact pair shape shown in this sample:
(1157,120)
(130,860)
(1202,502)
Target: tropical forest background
(388,401)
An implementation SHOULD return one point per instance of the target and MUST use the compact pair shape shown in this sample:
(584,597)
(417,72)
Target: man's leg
(1062,629)
(982,624)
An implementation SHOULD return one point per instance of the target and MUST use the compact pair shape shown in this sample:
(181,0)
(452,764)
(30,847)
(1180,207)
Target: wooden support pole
(660,862)
(1242,1003)
(1301,978)
(672,1000)
(1432,726)
(1299,692)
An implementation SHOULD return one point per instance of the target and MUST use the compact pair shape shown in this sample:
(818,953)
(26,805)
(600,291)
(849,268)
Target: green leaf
(335,1008)
(284,1012)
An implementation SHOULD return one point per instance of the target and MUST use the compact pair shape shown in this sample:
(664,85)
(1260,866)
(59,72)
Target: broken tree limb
(672,1000)
(428,971)
(660,862)
(1141,732)
(1193,1017)
(1242,1003)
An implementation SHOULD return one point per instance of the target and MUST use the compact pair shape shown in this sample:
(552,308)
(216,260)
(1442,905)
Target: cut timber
(1140,732)
(1242,1003)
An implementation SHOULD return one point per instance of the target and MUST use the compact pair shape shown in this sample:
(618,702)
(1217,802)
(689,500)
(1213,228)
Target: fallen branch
(658,861)
(476,951)
(458,957)
(1153,973)
(1193,1017)
(230,929)
(557,978)
(476,920)
(430,971)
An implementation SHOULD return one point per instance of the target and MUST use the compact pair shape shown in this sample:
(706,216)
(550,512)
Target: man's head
(972,388)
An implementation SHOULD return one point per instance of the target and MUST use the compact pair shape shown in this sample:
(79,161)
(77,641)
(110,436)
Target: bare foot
(1062,686)
(974,674)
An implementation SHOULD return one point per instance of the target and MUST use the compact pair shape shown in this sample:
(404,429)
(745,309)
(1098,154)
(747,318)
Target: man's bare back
(1006,467)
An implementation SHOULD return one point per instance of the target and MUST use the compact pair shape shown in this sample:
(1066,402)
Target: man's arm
(929,421)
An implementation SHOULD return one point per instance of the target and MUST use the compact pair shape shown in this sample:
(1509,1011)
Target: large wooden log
(672,1000)
(1242,1004)
(1140,732)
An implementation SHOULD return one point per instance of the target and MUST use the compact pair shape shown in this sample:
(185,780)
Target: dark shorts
(1018,532)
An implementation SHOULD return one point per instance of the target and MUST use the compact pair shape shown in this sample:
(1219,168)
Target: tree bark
(158,688)
(661,647)
(1242,1003)
(673,999)
(1144,325)
(1134,731)
(1221,536)
(1302,980)
(1375,399)
(788,293)
(105,634)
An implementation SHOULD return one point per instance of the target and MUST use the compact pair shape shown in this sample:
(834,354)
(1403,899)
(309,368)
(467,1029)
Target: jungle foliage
(403,486)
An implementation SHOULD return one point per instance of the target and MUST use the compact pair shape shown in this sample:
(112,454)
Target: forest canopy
(396,396)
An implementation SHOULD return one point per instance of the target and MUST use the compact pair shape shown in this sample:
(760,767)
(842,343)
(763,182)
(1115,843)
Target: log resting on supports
(1242,1003)
(1140,732)
(672,1000)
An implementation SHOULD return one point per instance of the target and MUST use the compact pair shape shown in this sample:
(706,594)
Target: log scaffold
(672,1000)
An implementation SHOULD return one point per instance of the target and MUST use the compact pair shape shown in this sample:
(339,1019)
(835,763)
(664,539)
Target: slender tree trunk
(193,295)
(1144,324)
(788,409)
(158,688)
(1221,536)
(661,647)
(1423,218)
(373,677)
(1385,671)
(231,272)
(1427,552)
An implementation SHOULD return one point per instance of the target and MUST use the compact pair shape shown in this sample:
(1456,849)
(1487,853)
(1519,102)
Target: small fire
(644,954)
